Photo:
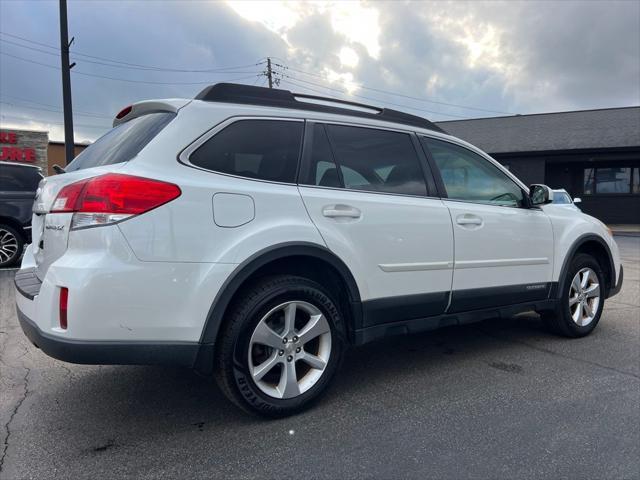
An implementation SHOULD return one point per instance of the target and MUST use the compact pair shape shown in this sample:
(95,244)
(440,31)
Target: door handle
(344,211)
(468,220)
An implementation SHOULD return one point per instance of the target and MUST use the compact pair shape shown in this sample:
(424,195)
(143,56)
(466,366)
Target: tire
(243,346)
(11,246)
(572,319)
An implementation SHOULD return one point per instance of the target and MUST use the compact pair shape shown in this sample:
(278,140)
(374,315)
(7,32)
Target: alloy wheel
(289,349)
(584,297)
(8,245)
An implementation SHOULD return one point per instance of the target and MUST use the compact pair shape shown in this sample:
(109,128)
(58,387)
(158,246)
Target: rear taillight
(64,303)
(112,198)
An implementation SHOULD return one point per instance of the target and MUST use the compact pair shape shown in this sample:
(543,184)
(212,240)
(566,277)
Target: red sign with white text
(9,152)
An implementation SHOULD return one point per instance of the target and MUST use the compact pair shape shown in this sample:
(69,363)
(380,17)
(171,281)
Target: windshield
(122,143)
(561,198)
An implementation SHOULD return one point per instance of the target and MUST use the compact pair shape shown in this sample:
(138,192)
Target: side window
(467,176)
(261,149)
(377,160)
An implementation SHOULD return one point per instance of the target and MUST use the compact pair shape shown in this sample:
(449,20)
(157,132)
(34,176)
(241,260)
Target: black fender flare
(275,252)
(581,240)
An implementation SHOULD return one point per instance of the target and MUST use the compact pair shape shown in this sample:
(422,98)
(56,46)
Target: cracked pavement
(498,399)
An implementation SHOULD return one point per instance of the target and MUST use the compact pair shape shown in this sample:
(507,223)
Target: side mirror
(577,200)
(540,195)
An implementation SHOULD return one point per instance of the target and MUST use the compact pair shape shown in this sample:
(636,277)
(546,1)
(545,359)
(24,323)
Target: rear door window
(259,149)
(123,142)
(377,160)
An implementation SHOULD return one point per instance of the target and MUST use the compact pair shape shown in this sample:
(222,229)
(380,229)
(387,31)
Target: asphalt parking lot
(499,399)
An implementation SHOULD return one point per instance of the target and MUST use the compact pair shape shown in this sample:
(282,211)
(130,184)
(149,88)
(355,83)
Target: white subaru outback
(253,234)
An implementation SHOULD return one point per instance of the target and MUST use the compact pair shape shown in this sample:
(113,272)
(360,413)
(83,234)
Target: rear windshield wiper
(58,169)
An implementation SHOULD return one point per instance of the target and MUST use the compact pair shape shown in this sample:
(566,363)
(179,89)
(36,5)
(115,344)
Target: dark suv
(18,185)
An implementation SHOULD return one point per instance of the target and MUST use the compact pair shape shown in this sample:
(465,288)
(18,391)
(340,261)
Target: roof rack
(273,97)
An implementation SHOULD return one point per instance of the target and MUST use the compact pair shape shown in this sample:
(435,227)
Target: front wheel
(581,299)
(281,346)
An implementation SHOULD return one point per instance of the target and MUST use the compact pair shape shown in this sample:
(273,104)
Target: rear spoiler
(149,106)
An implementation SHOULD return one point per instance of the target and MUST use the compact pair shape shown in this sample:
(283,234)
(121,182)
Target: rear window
(260,149)
(122,143)
(19,179)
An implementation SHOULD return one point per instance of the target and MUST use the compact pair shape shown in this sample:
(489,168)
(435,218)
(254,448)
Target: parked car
(561,197)
(18,185)
(254,234)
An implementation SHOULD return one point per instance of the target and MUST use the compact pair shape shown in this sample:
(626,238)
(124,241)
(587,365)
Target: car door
(365,191)
(503,248)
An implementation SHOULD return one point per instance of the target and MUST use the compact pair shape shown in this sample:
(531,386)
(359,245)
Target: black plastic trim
(490,297)
(417,325)
(182,354)
(405,307)
(427,171)
(251,265)
(273,97)
(433,166)
(615,290)
(581,240)
(28,283)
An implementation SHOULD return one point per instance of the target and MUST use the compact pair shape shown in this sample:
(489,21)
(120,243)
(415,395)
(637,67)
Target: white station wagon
(253,234)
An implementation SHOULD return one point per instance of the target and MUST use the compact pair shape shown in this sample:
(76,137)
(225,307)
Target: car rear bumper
(181,354)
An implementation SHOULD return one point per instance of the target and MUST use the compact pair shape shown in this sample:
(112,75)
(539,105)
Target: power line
(21,99)
(52,110)
(126,67)
(206,82)
(426,100)
(121,64)
(52,123)
(137,66)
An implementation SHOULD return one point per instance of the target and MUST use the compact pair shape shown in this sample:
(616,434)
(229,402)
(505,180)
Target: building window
(611,180)
(589,181)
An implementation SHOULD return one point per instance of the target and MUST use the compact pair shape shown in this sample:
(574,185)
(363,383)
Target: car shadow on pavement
(161,399)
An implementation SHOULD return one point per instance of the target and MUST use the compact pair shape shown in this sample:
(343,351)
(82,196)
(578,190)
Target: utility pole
(66,83)
(269,72)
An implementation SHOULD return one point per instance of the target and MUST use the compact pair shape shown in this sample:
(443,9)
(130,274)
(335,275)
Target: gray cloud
(510,57)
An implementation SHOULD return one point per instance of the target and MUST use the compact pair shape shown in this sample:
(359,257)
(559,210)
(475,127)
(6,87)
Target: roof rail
(273,97)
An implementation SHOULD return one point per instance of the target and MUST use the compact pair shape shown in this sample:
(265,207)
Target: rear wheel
(582,299)
(11,245)
(281,347)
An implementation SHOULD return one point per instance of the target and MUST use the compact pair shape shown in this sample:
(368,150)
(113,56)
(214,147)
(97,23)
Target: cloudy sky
(441,60)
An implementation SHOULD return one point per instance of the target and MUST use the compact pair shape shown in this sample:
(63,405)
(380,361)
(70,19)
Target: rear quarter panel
(184,230)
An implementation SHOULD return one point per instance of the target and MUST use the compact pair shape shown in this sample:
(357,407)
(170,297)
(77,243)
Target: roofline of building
(567,151)
(538,114)
(59,142)
(10,129)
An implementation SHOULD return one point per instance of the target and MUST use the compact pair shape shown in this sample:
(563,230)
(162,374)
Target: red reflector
(64,301)
(124,112)
(115,193)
